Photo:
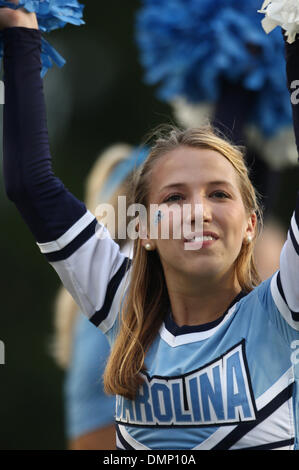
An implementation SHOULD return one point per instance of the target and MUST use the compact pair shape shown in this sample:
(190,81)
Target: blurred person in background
(80,349)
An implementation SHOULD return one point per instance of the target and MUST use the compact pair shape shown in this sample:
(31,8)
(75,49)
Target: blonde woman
(202,352)
(79,348)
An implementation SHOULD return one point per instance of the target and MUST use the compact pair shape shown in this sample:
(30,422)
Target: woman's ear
(251,228)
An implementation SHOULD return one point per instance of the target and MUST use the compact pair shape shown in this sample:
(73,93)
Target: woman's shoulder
(258,293)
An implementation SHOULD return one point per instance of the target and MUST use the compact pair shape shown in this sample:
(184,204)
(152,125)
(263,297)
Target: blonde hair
(65,308)
(147,300)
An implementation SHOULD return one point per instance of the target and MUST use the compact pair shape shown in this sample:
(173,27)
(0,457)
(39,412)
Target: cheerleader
(202,352)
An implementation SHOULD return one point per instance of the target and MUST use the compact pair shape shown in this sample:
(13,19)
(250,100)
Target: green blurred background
(97,99)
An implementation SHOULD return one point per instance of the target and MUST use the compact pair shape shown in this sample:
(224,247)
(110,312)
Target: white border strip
(281,305)
(130,440)
(118,443)
(68,236)
(115,309)
(286,379)
(295,228)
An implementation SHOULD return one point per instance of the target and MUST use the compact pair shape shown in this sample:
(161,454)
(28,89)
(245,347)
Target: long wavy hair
(65,308)
(147,300)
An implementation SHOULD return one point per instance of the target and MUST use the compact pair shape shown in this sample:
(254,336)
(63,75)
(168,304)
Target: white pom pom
(190,114)
(284,13)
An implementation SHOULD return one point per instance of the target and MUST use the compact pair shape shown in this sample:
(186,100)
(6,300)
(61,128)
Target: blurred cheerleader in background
(79,348)
(212,61)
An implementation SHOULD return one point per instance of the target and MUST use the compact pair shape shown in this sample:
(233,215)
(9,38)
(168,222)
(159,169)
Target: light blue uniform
(230,386)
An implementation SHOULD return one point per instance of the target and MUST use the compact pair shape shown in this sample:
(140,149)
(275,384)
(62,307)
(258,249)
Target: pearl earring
(148,247)
(249,239)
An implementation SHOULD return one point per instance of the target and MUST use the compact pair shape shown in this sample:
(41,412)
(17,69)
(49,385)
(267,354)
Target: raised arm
(91,269)
(46,206)
(292,67)
(285,284)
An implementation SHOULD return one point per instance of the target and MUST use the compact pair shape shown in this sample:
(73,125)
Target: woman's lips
(197,241)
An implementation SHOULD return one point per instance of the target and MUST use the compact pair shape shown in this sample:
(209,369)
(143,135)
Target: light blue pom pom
(187,47)
(51,14)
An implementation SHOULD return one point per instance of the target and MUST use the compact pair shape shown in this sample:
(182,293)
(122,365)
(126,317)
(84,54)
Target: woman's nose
(206,212)
(201,208)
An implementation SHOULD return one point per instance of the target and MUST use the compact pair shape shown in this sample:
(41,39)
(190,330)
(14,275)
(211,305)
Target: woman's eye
(173,198)
(220,194)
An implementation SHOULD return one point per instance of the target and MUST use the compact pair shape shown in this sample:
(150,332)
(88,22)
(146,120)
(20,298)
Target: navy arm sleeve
(47,207)
(91,267)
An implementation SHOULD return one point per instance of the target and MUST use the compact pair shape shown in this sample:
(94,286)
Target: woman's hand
(17,18)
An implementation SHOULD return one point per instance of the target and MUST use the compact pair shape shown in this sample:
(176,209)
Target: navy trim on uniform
(294,241)
(297,211)
(123,441)
(176,330)
(242,429)
(271,445)
(279,285)
(112,287)
(295,315)
(74,245)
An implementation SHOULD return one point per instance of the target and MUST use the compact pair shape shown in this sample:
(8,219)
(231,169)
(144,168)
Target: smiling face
(192,176)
